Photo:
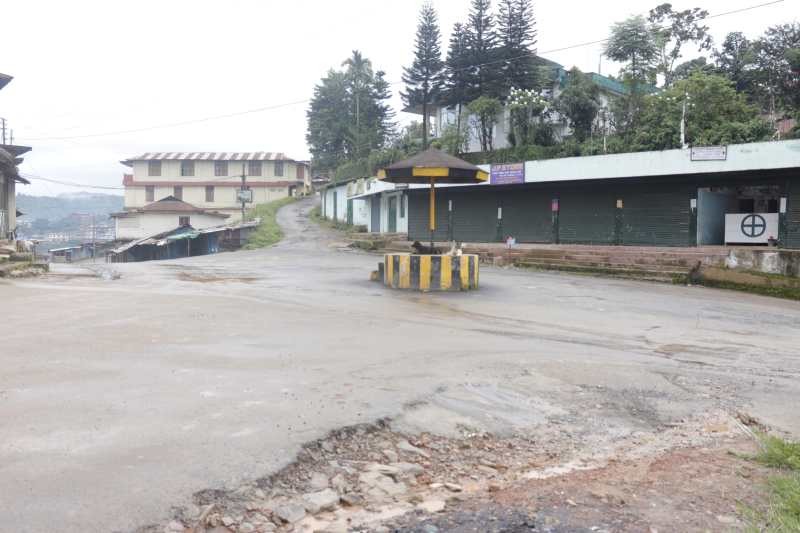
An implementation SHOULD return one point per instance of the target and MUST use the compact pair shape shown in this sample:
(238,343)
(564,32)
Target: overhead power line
(305,101)
(71,183)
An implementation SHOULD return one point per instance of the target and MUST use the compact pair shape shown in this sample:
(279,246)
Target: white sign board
(750,228)
(709,153)
(245,195)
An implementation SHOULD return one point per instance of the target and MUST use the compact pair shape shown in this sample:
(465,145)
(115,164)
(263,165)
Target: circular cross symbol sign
(754,226)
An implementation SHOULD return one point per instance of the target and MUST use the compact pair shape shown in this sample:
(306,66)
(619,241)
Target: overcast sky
(86,67)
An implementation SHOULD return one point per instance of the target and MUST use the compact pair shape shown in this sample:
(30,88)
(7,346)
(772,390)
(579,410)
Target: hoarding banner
(507,174)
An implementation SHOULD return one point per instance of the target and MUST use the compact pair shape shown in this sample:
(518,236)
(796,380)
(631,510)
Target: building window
(187,168)
(301,172)
(254,168)
(279,168)
(177,192)
(154,168)
(209,193)
(183,221)
(220,168)
(149,193)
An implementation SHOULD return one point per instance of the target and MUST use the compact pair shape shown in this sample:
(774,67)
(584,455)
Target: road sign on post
(245,196)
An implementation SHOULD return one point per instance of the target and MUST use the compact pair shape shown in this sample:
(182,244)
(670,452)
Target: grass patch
(779,453)
(268,232)
(316,215)
(788,293)
(782,513)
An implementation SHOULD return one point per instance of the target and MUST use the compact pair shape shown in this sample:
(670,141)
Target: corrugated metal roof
(211,156)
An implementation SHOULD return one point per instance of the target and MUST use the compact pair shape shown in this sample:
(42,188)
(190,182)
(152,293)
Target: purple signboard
(507,174)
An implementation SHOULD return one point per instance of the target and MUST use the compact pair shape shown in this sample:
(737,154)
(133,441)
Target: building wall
(266,188)
(204,171)
(339,192)
(224,197)
(142,225)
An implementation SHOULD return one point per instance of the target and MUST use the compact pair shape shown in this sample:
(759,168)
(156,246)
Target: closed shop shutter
(793,215)
(375,214)
(657,215)
(474,215)
(418,215)
(587,216)
(527,216)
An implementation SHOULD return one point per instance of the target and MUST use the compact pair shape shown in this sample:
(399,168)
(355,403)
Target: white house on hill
(164,215)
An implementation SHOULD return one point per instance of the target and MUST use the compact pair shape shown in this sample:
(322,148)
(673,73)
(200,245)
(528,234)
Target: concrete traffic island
(430,272)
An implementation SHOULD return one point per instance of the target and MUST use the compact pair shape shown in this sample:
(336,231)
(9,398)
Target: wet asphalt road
(120,398)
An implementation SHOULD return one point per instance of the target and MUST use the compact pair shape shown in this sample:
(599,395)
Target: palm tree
(359,74)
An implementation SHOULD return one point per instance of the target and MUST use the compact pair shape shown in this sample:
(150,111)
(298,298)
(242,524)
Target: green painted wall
(793,215)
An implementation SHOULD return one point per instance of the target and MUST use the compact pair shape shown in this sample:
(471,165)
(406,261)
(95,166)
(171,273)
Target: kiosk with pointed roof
(433,166)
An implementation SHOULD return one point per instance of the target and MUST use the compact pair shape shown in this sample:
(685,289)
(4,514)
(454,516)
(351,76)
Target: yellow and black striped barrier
(431,272)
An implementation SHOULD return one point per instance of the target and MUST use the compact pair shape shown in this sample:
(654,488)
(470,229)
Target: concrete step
(636,273)
(611,264)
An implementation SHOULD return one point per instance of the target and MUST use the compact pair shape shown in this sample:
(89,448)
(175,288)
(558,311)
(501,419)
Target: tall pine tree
(457,77)
(424,78)
(483,74)
(516,30)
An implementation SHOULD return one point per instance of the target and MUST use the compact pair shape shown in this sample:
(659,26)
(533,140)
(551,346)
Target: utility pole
(94,239)
(3,127)
(683,121)
(244,188)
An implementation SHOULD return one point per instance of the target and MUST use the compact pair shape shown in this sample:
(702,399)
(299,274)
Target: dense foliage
(743,90)
(349,115)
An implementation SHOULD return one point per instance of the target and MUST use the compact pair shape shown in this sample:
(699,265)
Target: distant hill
(54,208)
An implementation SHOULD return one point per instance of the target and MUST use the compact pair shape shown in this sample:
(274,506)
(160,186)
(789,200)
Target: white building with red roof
(212,180)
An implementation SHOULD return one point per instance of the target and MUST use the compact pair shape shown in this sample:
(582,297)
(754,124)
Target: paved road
(119,398)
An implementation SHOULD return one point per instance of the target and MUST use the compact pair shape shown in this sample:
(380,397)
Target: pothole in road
(372,477)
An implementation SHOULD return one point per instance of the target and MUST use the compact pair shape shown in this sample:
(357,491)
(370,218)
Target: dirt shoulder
(683,477)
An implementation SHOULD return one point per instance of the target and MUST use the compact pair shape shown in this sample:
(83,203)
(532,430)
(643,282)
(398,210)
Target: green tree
(349,114)
(329,121)
(483,73)
(672,30)
(716,114)
(485,110)
(527,111)
(687,68)
(778,83)
(516,31)
(359,74)
(579,102)
(424,78)
(632,43)
(736,59)
(456,75)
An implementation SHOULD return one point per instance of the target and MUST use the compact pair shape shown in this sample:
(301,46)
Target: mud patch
(201,277)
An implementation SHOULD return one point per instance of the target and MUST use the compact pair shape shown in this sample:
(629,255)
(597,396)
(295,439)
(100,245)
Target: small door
(335,205)
(350,212)
(375,214)
(392,215)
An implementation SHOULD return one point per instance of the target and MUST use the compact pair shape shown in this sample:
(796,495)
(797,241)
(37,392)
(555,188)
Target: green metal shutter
(656,215)
(793,215)
(586,216)
(474,215)
(418,215)
(527,216)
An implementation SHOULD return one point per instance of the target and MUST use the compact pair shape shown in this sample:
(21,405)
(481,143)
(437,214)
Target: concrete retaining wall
(784,262)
